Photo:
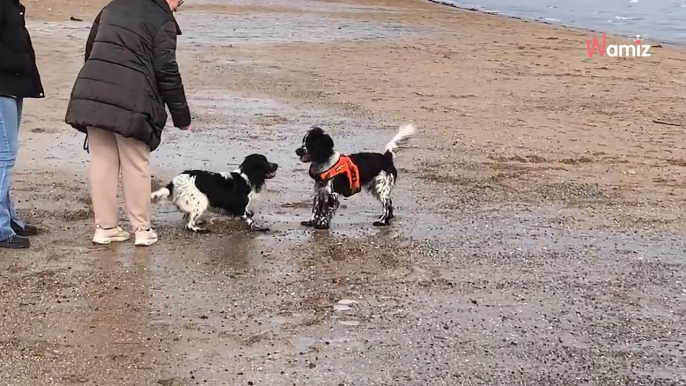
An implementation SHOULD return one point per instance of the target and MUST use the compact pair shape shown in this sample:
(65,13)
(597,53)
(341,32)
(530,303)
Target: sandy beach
(539,238)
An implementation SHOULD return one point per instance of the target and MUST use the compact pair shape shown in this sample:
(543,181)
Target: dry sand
(539,236)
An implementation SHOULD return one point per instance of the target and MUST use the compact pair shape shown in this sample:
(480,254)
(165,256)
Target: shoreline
(541,20)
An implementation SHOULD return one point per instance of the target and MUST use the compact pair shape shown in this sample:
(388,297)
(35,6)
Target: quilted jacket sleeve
(91,35)
(168,76)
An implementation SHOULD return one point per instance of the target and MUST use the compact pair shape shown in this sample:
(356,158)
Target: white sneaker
(106,236)
(145,238)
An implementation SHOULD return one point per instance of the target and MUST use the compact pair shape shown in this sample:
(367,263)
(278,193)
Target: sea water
(658,20)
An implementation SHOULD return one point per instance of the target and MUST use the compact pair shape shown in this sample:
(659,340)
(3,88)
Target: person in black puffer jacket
(119,100)
(19,79)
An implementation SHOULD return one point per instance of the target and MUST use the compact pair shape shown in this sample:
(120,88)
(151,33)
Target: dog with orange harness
(338,174)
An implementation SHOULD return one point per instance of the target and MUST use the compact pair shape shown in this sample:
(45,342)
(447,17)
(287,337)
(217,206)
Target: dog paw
(197,230)
(381,223)
(260,229)
(307,223)
(321,226)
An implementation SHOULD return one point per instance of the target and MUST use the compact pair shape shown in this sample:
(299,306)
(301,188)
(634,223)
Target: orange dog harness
(344,166)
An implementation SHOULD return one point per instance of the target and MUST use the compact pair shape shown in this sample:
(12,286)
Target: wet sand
(538,238)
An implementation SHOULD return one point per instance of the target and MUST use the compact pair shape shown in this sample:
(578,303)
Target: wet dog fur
(377,174)
(195,191)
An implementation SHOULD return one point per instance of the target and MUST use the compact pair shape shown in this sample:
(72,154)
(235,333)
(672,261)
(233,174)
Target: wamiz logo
(636,50)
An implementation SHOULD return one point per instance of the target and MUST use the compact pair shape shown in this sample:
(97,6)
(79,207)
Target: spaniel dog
(338,174)
(195,191)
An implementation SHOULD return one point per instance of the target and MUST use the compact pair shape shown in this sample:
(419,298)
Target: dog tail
(400,140)
(162,193)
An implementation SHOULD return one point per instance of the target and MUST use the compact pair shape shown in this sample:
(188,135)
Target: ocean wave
(615,16)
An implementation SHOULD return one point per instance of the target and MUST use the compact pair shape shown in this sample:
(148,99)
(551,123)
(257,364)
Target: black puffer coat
(18,72)
(130,73)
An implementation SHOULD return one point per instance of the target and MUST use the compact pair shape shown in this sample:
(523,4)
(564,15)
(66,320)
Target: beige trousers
(109,153)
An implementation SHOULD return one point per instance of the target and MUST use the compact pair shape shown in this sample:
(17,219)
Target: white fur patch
(243,176)
(328,164)
(187,197)
(401,139)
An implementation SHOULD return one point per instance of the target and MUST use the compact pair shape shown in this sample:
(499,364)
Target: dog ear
(316,130)
(327,142)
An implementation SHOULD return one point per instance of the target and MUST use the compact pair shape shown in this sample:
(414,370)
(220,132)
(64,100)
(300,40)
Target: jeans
(10,118)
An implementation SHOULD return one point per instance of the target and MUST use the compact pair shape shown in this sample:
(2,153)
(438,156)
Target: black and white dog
(195,191)
(339,174)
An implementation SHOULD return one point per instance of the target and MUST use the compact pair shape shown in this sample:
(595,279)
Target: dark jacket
(130,73)
(18,71)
